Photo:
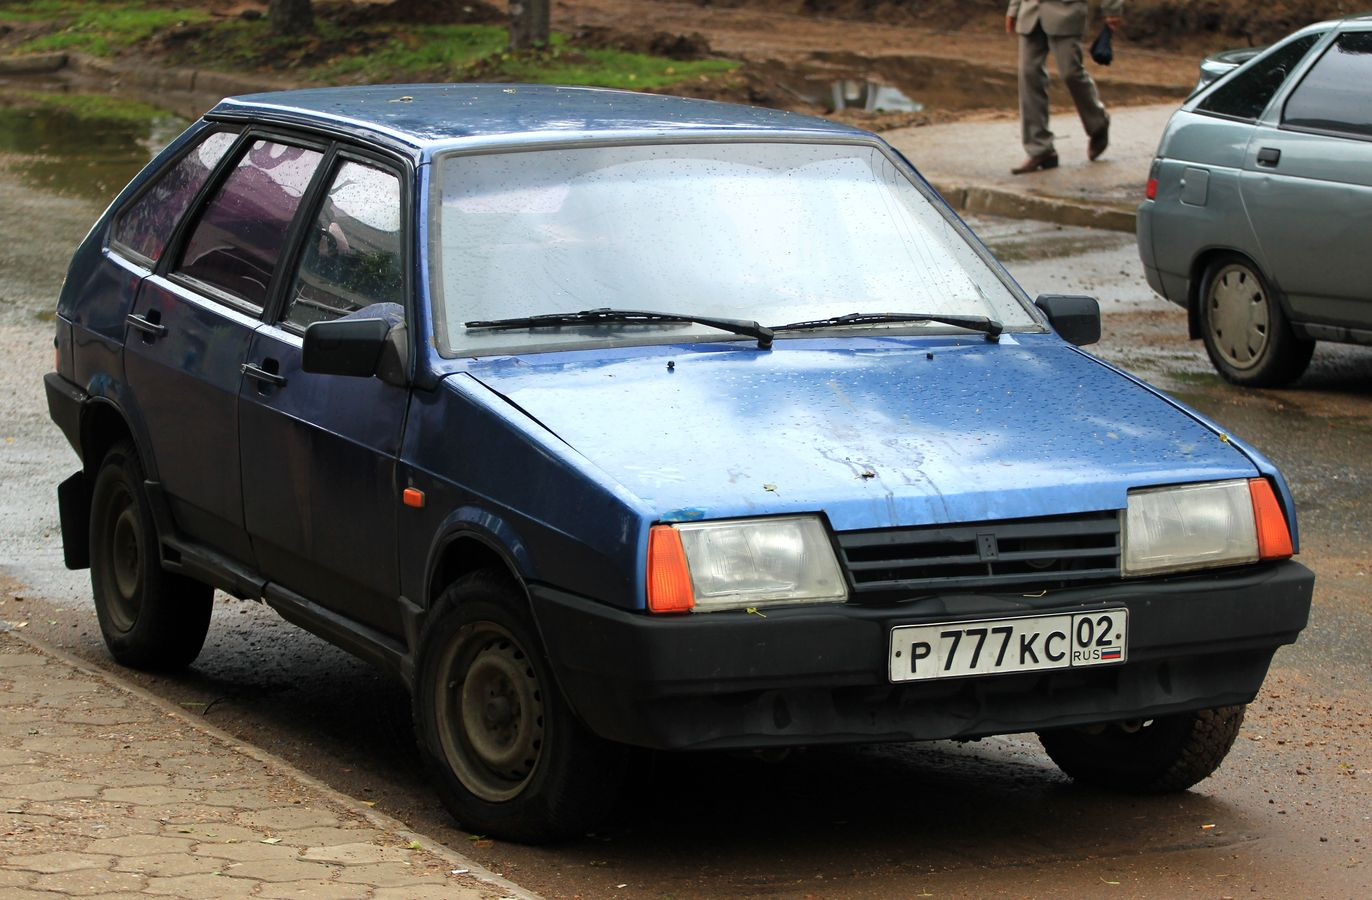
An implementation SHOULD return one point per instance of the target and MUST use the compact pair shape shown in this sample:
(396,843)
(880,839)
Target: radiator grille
(1015,554)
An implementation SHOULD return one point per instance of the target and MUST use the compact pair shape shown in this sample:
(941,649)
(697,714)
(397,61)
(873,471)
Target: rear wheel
(1153,756)
(1245,331)
(506,754)
(150,618)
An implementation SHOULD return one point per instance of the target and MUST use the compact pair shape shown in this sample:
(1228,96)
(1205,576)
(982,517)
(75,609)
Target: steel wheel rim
(1239,316)
(126,558)
(489,710)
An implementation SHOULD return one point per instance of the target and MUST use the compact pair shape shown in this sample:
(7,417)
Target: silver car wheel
(1240,316)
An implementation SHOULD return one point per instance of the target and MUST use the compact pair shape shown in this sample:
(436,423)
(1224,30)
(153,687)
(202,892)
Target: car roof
(432,117)
(1345,23)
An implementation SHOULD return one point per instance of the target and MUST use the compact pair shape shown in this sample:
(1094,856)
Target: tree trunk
(290,16)
(528,24)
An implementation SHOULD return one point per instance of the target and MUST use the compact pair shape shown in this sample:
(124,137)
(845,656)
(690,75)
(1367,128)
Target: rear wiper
(605,314)
(987,326)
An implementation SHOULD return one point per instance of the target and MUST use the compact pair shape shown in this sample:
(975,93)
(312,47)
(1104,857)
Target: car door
(1307,187)
(319,452)
(189,330)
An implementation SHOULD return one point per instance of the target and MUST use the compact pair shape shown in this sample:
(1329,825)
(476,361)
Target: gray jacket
(1058,17)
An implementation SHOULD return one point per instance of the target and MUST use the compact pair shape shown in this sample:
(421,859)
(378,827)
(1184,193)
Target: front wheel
(150,618)
(1153,756)
(505,752)
(1246,333)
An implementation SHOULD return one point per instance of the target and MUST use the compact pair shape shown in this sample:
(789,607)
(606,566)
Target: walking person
(1056,25)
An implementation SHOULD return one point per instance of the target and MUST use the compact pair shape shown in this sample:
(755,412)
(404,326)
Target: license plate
(1019,644)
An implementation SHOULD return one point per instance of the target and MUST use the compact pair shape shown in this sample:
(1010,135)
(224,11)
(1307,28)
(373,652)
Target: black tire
(1246,333)
(1157,756)
(150,618)
(520,766)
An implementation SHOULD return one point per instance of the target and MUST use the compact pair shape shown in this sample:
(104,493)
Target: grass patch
(100,29)
(478,52)
(39,10)
(424,53)
(92,108)
(376,52)
(419,53)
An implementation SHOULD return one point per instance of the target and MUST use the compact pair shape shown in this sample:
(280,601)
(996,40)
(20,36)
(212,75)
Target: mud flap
(74,507)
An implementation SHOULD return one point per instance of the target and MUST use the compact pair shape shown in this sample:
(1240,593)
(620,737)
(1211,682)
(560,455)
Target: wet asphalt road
(1287,814)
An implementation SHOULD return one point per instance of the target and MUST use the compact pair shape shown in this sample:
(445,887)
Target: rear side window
(1336,95)
(146,226)
(352,256)
(236,242)
(1247,94)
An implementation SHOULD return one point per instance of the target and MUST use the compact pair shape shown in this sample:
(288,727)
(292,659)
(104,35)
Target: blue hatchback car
(610,421)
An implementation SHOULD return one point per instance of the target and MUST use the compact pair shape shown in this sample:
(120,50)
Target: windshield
(767,232)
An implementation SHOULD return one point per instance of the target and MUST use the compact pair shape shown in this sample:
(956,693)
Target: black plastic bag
(1102,48)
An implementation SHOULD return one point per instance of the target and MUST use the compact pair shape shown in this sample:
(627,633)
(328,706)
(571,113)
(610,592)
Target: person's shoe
(1047,160)
(1099,141)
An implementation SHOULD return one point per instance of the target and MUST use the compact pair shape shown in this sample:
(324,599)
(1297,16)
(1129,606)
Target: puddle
(921,84)
(869,96)
(70,153)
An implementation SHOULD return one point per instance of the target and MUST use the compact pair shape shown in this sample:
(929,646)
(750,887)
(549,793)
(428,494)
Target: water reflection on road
(61,168)
(75,155)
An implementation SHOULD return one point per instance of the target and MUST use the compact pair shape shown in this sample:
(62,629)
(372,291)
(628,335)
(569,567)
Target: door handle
(1269,157)
(266,376)
(151,328)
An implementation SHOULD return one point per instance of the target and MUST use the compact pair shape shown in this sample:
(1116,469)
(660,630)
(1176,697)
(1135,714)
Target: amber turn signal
(669,579)
(1274,537)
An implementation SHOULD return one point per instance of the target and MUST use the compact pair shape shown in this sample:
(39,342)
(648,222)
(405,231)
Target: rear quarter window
(1336,94)
(145,227)
(1247,94)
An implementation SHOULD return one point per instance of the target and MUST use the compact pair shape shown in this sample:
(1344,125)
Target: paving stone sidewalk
(108,791)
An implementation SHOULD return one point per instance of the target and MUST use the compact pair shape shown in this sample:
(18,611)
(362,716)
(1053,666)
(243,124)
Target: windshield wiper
(987,326)
(605,314)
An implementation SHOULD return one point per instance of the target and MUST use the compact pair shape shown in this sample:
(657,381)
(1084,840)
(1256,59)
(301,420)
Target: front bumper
(819,675)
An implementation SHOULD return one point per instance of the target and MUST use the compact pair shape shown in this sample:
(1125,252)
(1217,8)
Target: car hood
(874,433)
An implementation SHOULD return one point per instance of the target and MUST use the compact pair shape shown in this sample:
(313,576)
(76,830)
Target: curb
(38,64)
(189,92)
(976,199)
(379,820)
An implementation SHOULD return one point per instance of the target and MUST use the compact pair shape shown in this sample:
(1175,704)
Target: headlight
(710,566)
(1198,526)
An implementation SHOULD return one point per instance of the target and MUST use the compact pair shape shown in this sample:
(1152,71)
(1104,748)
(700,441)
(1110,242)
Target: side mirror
(345,347)
(1075,318)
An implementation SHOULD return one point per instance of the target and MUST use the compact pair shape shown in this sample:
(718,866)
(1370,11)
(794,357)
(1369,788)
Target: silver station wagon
(1258,217)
